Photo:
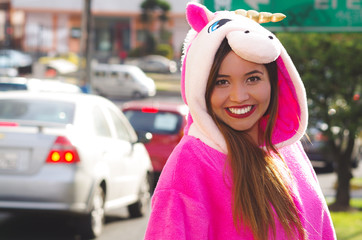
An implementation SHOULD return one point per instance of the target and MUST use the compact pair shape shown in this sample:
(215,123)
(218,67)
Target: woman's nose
(238,93)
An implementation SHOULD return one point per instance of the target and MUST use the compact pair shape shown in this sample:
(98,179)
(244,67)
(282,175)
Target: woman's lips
(241,111)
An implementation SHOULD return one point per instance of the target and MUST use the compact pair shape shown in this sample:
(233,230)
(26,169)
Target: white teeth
(240,110)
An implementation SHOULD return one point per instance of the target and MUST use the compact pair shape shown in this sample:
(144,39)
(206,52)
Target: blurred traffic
(73,154)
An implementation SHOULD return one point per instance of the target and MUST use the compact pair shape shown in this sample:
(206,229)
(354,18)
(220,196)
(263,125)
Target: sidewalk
(328,180)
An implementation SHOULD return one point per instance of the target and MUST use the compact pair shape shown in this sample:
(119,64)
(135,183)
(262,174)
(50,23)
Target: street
(38,226)
(44,227)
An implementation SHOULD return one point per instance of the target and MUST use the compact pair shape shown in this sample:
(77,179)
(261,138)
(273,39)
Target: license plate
(8,160)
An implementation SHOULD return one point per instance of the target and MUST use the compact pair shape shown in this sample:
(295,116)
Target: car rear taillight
(8,124)
(149,110)
(63,152)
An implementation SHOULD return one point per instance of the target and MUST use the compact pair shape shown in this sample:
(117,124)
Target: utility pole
(85,50)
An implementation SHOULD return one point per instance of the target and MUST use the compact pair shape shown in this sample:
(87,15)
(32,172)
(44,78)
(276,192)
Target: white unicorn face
(247,38)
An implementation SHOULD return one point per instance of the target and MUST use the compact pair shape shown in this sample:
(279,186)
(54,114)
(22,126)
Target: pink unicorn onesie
(193,198)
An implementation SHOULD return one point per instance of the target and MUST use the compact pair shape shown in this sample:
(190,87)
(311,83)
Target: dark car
(165,120)
(315,144)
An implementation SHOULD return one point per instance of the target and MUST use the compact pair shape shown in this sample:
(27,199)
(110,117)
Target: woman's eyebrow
(246,74)
(253,72)
(222,75)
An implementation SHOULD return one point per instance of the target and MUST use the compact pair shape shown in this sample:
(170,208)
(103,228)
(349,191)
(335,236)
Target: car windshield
(37,110)
(156,123)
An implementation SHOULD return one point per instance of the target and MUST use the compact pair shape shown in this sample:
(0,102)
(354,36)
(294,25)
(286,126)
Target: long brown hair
(260,187)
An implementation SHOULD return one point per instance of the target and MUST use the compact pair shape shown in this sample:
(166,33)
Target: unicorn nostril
(247,31)
(271,37)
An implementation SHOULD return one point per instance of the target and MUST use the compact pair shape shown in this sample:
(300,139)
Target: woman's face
(241,94)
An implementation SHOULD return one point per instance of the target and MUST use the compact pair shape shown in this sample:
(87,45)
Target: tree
(149,7)
(330,66)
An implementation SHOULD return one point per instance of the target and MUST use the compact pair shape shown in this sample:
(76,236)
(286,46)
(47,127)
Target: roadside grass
(166,82)
(348,224)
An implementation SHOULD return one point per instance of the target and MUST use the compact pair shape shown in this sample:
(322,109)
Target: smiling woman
(240,171)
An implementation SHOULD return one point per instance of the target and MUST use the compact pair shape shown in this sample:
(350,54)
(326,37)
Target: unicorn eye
(217,25)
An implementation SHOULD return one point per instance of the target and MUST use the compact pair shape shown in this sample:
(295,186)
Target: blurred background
(129,53)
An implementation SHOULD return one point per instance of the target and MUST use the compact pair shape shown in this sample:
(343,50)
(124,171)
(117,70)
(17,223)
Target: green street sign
(302,15)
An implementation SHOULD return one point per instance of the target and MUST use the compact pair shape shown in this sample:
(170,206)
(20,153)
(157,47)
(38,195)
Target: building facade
(44,26)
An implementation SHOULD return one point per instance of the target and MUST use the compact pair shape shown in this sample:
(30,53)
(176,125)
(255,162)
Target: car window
(100,123)
(159,123)
(38,110)
(12,86)
(100,73)
(121,129)
(114,74)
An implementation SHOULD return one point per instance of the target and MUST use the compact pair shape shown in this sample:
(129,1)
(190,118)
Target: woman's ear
(198,16)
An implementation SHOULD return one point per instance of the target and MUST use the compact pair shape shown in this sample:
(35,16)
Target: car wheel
(139,208)
(137,95)
(94,221)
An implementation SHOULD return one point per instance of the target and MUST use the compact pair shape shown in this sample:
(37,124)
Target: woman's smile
(240,112)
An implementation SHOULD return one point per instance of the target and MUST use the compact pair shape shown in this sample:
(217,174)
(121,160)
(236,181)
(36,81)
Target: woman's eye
(253,79)
(221,82)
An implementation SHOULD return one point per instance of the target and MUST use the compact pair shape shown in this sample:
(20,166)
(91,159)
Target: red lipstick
(240,115)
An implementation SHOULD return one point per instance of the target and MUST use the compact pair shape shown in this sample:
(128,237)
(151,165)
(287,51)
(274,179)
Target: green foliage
(161,49)
(152,5)
(164,50)
(148,47)
(331,70)
(149,4)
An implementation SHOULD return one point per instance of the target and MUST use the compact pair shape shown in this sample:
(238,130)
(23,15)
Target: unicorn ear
(198,16)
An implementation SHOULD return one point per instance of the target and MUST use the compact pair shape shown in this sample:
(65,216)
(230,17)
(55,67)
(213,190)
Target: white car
(116,80)
(37,85)
(70,153)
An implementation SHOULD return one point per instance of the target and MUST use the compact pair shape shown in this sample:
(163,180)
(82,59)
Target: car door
(124,169)
(125,83)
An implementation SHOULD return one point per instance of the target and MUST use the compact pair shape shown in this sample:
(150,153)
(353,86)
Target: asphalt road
(38,226)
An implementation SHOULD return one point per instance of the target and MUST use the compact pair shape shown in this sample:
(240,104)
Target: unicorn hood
(252,42)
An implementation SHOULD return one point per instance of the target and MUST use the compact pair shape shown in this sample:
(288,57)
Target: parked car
(70,153)
(165,120)
(37,85)
(116,80)
(315,144)
(69,56)
(155,64)
(16,60)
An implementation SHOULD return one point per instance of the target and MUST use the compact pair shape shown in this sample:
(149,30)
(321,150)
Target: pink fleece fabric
(193,196)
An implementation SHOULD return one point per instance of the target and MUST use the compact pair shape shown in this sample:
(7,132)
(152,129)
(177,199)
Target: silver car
(70,153)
